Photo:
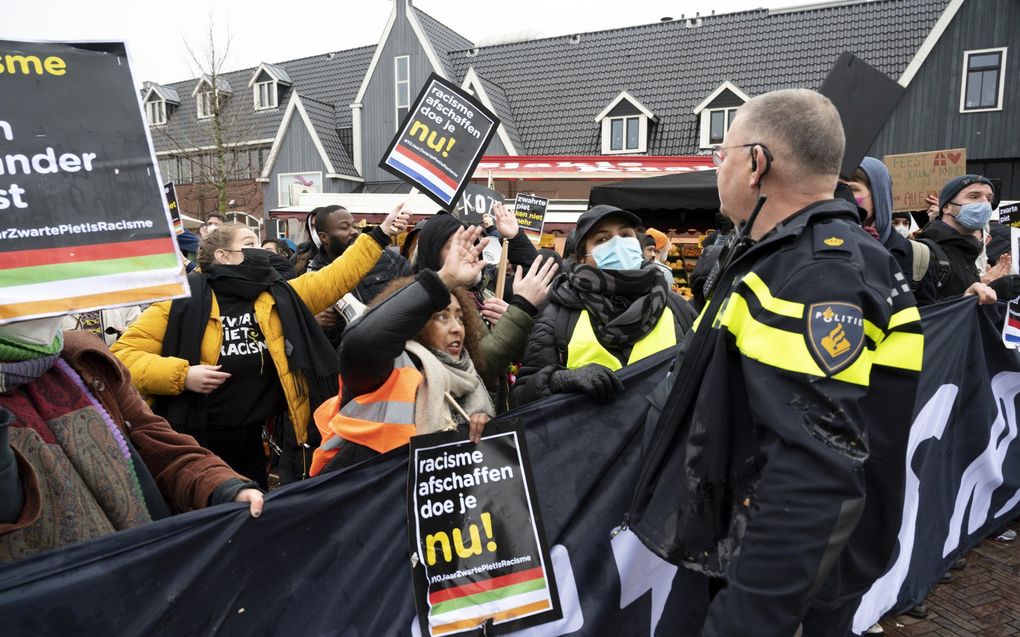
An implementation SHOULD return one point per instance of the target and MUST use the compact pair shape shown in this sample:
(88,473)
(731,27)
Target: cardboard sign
(917,175)
(865,98)
(475,202)
(83,222)
(170,193)
(474,525)
(530,213)
(440,141)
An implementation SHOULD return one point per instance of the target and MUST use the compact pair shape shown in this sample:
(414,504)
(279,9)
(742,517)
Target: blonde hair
(219,238)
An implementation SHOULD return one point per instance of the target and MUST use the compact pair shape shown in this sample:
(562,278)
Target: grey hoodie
(881,195)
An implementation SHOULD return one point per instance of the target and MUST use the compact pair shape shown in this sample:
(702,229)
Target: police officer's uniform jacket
(792,403)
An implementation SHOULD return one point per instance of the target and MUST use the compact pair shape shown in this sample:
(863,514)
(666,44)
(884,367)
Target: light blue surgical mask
(619,253)
(974,216)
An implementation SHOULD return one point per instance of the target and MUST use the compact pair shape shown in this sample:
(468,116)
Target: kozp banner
(83,224)
(474,526)
(440,141)
(475,202)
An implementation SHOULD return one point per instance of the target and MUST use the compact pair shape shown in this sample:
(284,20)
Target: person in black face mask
(245,347)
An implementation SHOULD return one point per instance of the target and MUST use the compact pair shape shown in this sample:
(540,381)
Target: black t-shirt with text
(253,392)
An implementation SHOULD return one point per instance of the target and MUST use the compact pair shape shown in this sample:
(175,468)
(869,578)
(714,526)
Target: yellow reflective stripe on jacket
(769,302)
(908,315)
(764,343)
(903,350)
(584,347)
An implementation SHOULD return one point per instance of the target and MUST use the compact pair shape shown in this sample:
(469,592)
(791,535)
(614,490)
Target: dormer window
(266,85)
(625,124)
(205,104)
(159,100)
(155,110)
(207,97)
(716,113)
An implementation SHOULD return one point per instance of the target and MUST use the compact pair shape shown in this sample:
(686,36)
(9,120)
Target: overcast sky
(276,31)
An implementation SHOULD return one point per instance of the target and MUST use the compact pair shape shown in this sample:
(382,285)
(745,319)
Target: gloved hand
(598,381)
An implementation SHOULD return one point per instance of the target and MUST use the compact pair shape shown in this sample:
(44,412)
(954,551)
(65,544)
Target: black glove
(12,493)
(598,381)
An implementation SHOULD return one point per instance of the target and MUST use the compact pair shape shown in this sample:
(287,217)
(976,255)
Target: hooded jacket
(927,289)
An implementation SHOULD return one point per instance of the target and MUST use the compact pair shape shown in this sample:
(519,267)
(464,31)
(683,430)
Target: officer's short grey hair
(803,121)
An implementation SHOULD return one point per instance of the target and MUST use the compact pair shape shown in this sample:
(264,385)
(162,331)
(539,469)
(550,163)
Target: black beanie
(433,237)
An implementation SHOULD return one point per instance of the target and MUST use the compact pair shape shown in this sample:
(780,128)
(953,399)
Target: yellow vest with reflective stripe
(584,348)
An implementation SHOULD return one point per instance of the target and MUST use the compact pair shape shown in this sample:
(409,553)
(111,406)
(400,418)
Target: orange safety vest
(381,420)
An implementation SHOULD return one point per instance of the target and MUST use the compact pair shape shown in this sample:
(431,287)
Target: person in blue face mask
(965,208)
(607,310)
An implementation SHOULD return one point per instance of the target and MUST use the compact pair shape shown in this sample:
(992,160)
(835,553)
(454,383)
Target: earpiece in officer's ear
(754,160)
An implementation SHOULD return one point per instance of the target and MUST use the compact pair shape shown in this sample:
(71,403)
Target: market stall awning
(680,191)
(587,166)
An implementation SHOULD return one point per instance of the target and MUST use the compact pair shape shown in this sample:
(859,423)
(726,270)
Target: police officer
(794,395)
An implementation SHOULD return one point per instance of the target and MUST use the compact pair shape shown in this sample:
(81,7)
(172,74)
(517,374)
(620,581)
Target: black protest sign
(530,213)
(475,202)
(440,141)
(84,224)
(474,525)
(865,98)
(170,192)
(1010,215)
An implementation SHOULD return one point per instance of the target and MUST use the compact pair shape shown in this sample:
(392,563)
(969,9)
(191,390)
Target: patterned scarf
(624,305)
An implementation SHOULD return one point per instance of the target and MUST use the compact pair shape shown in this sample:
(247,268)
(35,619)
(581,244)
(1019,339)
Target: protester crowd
(315,357)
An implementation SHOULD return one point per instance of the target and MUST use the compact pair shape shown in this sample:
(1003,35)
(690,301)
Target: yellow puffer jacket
(152,374)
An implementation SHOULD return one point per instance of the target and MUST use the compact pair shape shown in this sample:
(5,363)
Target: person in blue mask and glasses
(965,208)
(607,310)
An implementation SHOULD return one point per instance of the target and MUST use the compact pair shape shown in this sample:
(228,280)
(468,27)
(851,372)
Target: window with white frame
(719,121)
(205,104)
(625,133)
(265,94)
(155,110)
(983,80)
(402,86)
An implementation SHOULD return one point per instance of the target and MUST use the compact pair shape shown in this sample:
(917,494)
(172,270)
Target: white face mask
(903,230)
(35,332)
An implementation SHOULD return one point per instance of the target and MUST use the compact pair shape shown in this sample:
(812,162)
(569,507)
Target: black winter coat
(962,250)
(547,344)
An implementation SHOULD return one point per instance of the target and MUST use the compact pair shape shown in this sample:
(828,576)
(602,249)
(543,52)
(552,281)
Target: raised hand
(463,265)
(506,221)
(396,221)
(534,286)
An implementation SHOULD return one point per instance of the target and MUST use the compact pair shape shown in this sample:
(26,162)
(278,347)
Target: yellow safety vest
(584,347)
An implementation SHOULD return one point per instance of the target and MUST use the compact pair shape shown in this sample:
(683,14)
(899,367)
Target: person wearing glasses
(788,404)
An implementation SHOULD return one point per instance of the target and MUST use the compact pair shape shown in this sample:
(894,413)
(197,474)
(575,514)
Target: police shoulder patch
(835,334)
(830,238)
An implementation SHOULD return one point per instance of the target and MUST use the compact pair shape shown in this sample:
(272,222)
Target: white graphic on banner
(642,571)
(984,475)
(930,423)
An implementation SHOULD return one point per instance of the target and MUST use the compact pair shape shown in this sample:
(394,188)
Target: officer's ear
(761,151)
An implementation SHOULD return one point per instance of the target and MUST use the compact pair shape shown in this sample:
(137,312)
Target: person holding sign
(245,347)
(408,366)
(605,312)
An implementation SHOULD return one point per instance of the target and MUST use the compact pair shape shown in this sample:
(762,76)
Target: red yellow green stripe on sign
(31,267)
(499,598)
(73,303)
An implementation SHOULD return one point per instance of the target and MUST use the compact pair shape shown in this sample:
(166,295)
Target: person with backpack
(606,311)
(922,261)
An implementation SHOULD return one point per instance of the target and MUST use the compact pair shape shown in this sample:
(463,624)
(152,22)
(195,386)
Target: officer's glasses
(718,155)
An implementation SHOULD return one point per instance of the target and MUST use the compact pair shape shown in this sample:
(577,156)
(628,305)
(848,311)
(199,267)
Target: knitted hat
(661,240)
(954,186)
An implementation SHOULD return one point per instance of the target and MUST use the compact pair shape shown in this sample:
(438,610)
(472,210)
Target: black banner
(329,555)
(475,202)
(475,528)
(530,212)
(170,193)
(440,141)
